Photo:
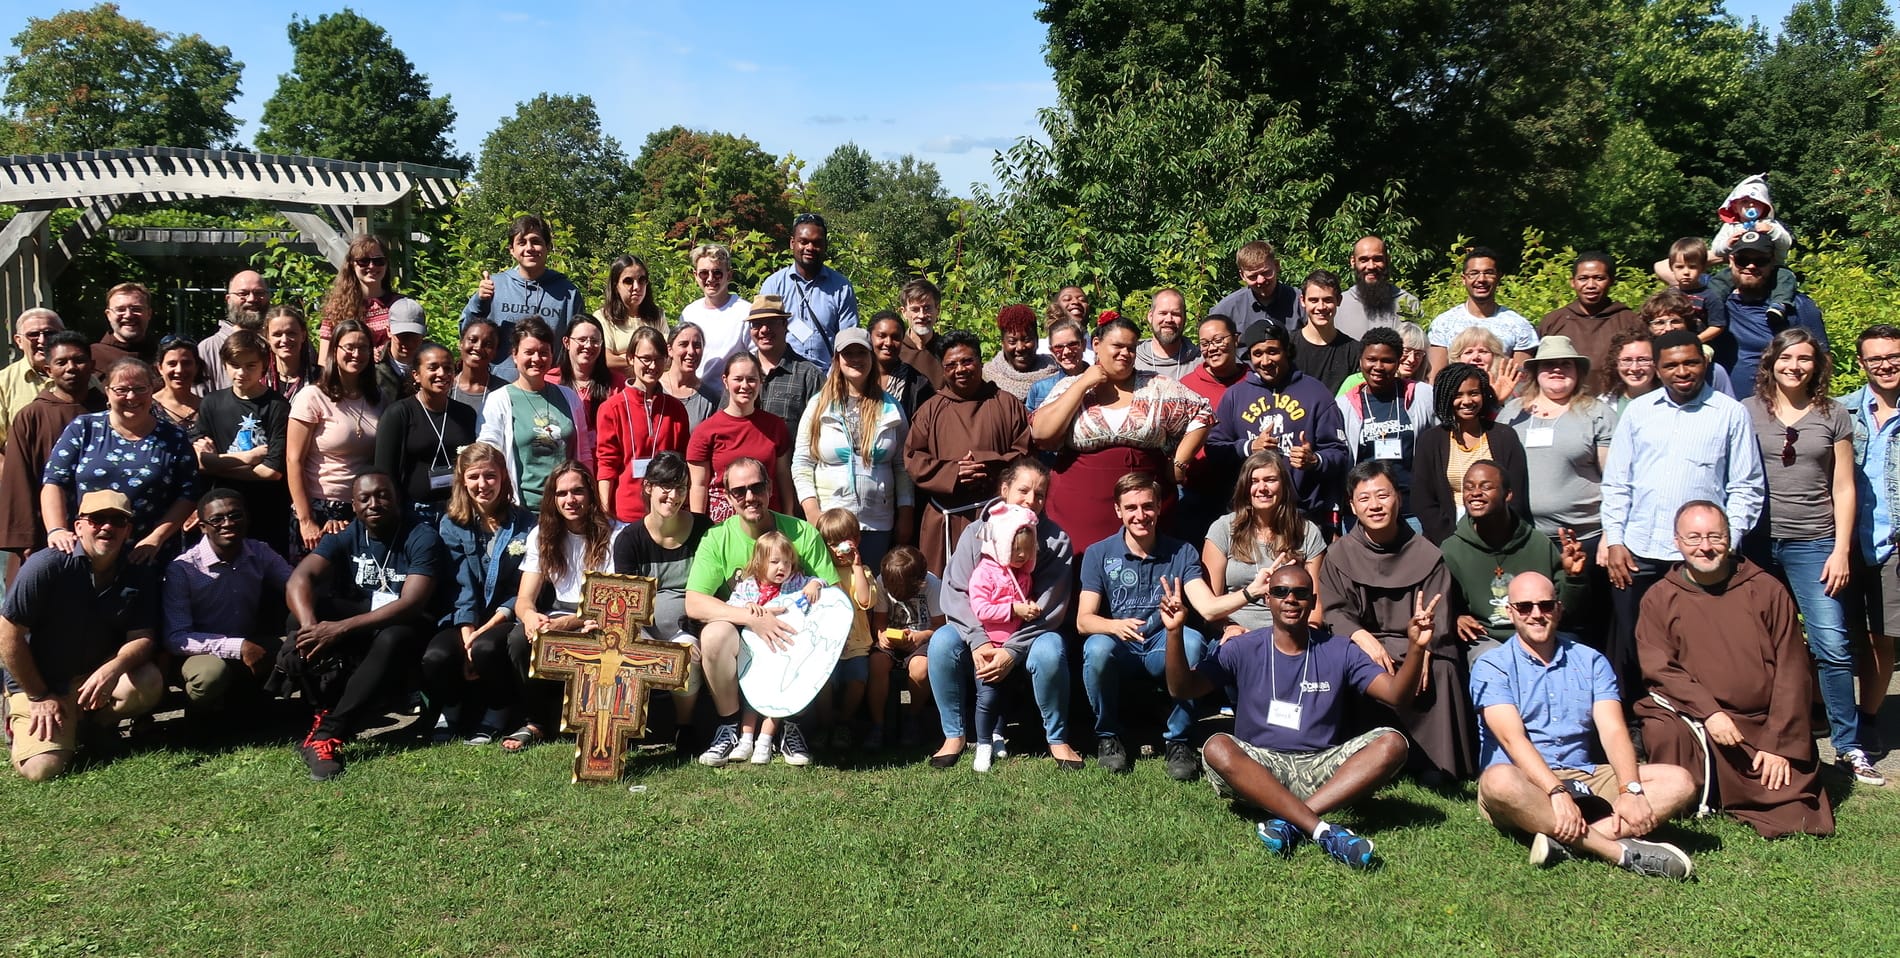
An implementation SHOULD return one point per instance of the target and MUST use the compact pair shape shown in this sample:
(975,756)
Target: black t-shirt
(361,566)
(635,553)
(1330,364)
(236,424)
(417,445)
(73,628)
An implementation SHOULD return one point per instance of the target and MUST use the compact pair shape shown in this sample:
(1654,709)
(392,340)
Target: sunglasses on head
(1546,606)
(1300,592)
(813,218)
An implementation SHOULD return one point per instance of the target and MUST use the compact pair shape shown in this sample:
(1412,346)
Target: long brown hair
(834,393)
(1817,384)
(345,299)
(463,510)
(330,378)
(1283,526)
(597,528)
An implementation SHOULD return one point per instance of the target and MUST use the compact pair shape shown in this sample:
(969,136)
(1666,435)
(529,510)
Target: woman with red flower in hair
(1110,421)
(1018,366)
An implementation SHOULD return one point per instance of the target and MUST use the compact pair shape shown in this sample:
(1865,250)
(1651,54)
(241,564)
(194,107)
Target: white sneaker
(982,763)
(792,745)
(741,750)
(762,752)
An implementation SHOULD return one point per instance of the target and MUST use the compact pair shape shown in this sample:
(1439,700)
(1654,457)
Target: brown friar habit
(1373,587)
(30,443)
(994,426)
(1735,649)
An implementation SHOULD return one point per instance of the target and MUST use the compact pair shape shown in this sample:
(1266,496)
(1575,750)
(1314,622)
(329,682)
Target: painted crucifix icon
(609,670)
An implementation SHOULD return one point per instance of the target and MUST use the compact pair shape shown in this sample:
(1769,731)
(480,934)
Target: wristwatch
(1634,788)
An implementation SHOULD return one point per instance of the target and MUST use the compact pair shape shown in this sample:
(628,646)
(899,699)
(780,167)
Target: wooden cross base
(609,671)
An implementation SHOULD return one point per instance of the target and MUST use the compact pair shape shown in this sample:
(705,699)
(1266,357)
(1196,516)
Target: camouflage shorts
(1301,772)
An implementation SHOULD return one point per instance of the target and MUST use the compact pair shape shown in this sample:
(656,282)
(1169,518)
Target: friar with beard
(1373,300)
(246,298)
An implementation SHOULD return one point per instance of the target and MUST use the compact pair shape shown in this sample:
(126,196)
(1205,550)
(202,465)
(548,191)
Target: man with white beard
(1168,353)
(1373,300)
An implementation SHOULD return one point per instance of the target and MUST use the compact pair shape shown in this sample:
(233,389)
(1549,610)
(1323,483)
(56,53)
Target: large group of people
(1566,559)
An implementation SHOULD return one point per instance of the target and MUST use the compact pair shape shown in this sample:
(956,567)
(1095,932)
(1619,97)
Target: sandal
(483,736)
(519,740)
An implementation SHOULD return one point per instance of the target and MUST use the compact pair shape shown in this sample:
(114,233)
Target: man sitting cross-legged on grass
(1541,695)
(1289,753)
(360,609)
(76,639)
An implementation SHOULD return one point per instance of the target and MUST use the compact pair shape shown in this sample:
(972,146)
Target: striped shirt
(1664,454)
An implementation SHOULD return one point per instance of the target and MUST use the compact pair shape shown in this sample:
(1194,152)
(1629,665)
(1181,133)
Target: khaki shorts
(20,719)
(1301,772)
(1602,783)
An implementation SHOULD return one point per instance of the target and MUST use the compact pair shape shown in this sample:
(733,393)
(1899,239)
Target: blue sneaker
(1342,844)
(1278,835)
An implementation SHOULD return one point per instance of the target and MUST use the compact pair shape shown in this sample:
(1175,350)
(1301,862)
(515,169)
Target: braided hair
(1445,388)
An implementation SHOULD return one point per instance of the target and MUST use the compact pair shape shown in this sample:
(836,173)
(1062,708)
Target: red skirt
(1082,490)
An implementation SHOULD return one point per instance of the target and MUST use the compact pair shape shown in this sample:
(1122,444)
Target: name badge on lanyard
(1387,448)
(1539,437)
(1284,714)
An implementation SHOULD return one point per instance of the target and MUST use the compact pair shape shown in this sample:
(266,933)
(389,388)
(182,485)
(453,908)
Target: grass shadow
(1382,813)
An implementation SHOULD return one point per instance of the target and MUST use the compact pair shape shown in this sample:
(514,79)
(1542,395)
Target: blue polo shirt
(1316,680)
(1554,700)
(1130,585)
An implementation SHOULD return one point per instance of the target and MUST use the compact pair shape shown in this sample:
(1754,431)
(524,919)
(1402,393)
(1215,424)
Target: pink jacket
(994,587)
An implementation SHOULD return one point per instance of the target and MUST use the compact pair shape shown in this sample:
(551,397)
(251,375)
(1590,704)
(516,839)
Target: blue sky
(950,83)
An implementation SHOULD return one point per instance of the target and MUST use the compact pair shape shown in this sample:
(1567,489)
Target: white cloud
(966,144)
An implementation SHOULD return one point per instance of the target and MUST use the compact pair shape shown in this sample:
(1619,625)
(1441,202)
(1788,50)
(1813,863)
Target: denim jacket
(485,580)
(1872,493)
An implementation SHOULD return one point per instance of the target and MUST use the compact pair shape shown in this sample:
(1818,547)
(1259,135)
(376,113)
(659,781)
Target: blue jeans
(953,676)
(1101,653)
(1798,565)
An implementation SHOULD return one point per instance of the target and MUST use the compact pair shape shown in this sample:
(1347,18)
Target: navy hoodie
(1299,412)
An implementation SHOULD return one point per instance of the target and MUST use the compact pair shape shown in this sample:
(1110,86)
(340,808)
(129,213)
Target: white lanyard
(441,441)
(646,409)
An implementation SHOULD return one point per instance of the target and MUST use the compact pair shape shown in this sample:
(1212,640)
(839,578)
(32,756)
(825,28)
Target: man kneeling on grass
(1541,694)
(1289,754)
(76,639)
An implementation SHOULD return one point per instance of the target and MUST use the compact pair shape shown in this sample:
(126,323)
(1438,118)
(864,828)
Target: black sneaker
(1183,764)
(324,757)
(1112,755)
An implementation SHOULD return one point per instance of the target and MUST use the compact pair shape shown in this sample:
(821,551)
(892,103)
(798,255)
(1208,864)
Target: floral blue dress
(153,472)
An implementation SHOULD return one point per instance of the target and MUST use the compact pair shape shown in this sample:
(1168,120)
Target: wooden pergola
(327,201)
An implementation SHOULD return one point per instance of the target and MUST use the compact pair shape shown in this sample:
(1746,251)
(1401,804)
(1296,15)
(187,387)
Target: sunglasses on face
(107,520)
(373,261)
(760,489)
(1300,592)
(1545,606)
(228,519)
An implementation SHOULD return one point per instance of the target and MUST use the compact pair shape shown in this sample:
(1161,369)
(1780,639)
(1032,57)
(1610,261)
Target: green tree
(1808,97)
(702,184)
(551,158)
(1157,185)
(94,80)
(900,206)
(352,95)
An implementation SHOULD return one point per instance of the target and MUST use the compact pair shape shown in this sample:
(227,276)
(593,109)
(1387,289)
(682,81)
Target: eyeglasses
(39,334)
(1635,363)
(1065,347)
(760,489)
(1545,606)
(372,261)
(710,274)
(127,392)
(1212,342)
(227,519)
(1889,361)
(1300,592)
(107,520)
(1788,437)
(812,218)
(1481,274)
(1702,539)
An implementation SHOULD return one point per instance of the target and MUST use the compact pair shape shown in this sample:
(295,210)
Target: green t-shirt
(543,438)
(727,548)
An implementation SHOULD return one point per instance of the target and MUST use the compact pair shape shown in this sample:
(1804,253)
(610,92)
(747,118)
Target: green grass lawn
(452,850)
